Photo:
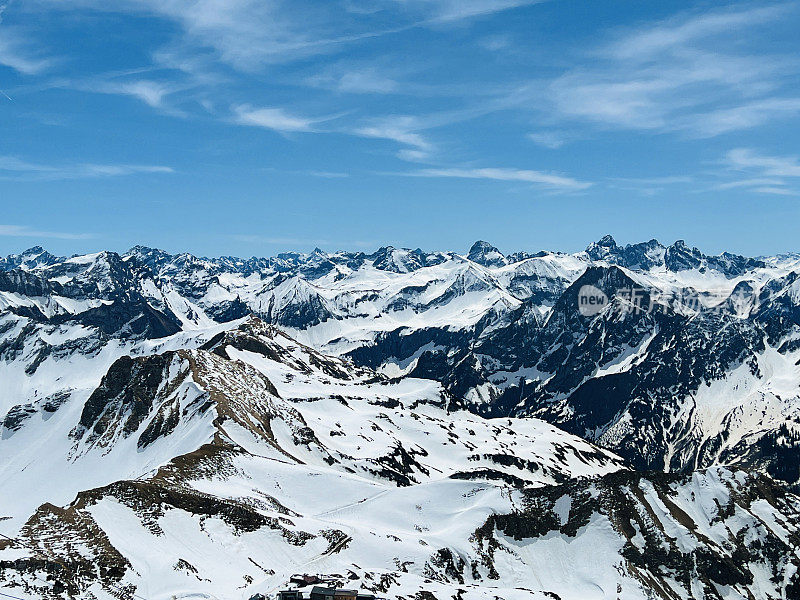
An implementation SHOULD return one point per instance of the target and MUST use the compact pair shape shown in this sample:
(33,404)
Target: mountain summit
(487,255)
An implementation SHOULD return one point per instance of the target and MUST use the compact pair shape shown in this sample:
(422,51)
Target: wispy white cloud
(677,33)
(775,166)
(94,170)
(550,180)
(12,167)
(768,174)
(749,183)
(151,92)
(312,173)
(745,116)
(366,81)
(412,130)
(325,174)
(694,73)
(249,34)
(386,75)
(650,186)
(358,78)
(548,139)
(17,52)
(244,34)
(665,180)
(24,231)
(496,43)
(277,119)
(778,191)
(403,129)
(445,11)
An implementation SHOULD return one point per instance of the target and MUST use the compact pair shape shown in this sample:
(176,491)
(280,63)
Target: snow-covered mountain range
(463,426)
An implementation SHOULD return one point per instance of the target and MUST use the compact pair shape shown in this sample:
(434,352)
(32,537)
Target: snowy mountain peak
(603,248)
(33,251)
(487,255)
(28,259)
(607,241)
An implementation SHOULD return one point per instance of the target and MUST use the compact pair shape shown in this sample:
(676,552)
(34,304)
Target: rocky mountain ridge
(504,334)
(467,416)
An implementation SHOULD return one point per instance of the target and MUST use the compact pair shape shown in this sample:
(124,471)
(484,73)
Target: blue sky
(250,127)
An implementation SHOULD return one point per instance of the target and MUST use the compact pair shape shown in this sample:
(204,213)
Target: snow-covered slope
(385,417)
(243,443)
(503,334)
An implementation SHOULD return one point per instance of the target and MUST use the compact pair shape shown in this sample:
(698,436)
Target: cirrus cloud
(14,168)
(273,118)
(25,231)
(551,180)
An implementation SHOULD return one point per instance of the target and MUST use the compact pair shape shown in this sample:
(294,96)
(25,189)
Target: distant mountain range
(418,422)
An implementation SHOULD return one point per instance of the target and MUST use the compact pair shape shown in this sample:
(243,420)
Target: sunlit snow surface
(282,460)
(355,417)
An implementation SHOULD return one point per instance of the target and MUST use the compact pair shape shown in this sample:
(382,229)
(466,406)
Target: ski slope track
(418,424)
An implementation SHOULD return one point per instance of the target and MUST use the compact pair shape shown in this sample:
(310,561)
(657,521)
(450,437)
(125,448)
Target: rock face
(405,415)
(124,398)
(487,255)
(711,534)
